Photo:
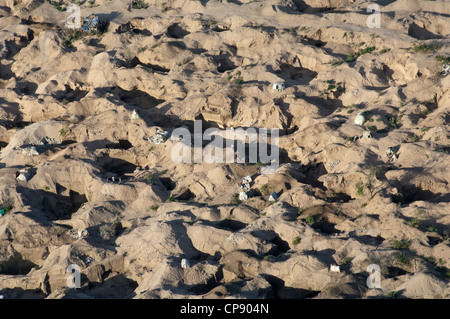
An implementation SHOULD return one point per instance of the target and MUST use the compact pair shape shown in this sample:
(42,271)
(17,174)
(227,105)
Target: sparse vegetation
(139,4)
(264,189)
(154,207)
(359,189)
(63,132)
(391,295)
(443,60)
(235,199)
(352,57)
(309,220)
(296,241)
(401,257)
(422,47)
(401,244)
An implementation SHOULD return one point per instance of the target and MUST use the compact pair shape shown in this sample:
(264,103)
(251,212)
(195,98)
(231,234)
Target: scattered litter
(160,137)
(391,154)
(279,86)
(185,264)
(245,183)
(23,175)
(135,115)
(39,147)
(30,151)
(333,164)
(243,196)
(335,268)
(360,119)
(2,212)
(83,233)
(445,70)
(273,197)
(90,23)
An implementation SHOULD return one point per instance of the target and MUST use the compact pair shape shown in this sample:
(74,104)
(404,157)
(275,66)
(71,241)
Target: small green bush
(401,244)
(309,220)
(359,189)
(426,48)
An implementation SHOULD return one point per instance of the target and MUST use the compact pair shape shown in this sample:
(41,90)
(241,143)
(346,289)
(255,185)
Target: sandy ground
(79,111)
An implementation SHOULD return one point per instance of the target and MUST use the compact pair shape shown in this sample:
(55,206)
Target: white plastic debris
(335,268)
(391,154)
(160,137)
(30,151)
(135,115)
(279,86)
(243,196)
(273,197)
(82,233)
(360,119)
(23,175)
(445,70)
(333,164)
(185,263)
(245,183)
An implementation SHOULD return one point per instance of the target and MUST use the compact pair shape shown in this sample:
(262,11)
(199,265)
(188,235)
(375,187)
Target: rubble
(280,86)
(160,137)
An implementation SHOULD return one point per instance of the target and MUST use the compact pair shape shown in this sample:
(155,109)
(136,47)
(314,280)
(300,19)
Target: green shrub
(139,4)
(309,220)
(401,244)
(359,189)
(426,48)
(402,258)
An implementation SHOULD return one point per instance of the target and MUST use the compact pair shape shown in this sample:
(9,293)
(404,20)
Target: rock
(30,151)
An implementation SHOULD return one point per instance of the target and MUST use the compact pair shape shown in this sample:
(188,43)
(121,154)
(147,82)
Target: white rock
(360,119)
(243,196)
(30,151)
